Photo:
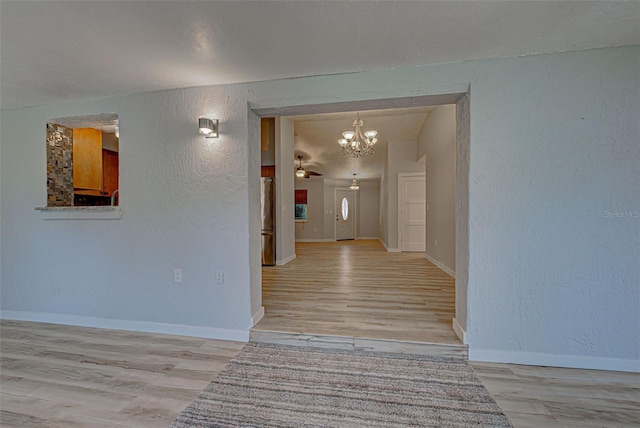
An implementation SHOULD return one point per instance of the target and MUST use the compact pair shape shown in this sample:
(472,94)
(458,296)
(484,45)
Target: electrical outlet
(219,277)
(177,275)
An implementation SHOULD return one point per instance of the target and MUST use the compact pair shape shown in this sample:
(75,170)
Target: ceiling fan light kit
(302,173)
(356,143)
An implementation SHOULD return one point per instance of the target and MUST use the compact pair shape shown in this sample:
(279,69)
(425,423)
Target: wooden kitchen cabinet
(110,172)
(87,160)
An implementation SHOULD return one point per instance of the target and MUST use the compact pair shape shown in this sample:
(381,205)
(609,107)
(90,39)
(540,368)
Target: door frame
(401,176)
(337,210)
(432,94)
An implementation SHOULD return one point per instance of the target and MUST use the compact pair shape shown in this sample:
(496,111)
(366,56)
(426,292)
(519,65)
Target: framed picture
(301,212)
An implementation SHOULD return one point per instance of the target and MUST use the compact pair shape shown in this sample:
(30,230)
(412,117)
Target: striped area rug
(270,385)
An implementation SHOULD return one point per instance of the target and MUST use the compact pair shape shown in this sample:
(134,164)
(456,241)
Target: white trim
(367,238)
(80,213)
(255,319)
(316,240)
(553,360)
(459,331)
(129,325)
(451,272)
(389,250)
(285,261)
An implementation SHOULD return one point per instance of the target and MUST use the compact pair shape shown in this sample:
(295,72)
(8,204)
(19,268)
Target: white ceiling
(316,139)
(54,50)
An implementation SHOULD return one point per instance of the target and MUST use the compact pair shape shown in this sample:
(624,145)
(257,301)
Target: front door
(345,214)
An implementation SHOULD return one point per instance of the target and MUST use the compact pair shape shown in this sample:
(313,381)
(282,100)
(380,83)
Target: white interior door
(412,193)
(345,215)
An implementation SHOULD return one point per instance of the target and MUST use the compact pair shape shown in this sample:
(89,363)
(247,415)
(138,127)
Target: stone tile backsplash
(59,166)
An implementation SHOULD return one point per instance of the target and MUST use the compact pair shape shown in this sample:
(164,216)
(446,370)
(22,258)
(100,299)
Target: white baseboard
(389,250)
(363,238)
(553,360)
(459,331)
(255,319)
(451,272)
(128,325)
(285,261)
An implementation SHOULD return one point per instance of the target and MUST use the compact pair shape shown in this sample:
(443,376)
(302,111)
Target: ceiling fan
(302,173)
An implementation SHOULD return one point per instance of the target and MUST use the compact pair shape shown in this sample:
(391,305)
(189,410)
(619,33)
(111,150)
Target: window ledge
(80,213)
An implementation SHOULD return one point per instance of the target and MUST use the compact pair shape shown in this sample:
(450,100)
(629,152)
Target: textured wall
(437,141)
(553,170)
(284,209)
(554,147)
(313,228)
(384,205)
(329,215)
(367,208)
(402,158)
(463,141)
(184,200)
(368,197)
(255,212)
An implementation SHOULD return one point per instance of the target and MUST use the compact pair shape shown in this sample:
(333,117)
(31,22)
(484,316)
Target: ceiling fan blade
(312,173)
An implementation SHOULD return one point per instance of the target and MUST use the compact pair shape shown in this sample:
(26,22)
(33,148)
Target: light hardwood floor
(356,288)
(63,376)
(555,397)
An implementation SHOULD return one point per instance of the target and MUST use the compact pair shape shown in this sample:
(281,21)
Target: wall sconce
(208,127)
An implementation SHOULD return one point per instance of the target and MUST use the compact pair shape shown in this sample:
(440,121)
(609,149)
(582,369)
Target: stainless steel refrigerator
(267,197)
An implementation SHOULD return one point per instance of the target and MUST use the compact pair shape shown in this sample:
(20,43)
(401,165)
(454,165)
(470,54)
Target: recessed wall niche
(83,161)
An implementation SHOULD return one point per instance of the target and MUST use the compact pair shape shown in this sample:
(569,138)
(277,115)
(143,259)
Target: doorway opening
(346,252)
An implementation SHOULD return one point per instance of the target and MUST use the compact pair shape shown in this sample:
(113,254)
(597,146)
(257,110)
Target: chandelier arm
(359,145)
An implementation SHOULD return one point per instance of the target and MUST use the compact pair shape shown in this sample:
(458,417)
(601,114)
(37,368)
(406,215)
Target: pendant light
(354,184)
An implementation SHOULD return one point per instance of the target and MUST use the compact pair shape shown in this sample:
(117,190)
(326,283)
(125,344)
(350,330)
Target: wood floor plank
(65,376)
(356,288)
(52,390)
(558,397)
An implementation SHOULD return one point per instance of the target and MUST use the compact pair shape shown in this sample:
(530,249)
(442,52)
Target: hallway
(356,288)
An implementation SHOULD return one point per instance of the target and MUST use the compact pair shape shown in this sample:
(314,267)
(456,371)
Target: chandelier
(357,144)
(354,184)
